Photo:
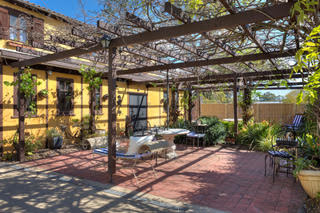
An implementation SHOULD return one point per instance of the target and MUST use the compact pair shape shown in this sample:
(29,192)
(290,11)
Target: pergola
(205,50)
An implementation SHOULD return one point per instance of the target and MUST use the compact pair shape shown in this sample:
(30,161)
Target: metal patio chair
(285,150)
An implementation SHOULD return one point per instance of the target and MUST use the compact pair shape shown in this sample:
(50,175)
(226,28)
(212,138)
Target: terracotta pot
(310,181)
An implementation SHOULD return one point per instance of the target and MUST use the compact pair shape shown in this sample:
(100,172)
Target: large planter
(55,142)
(310,181)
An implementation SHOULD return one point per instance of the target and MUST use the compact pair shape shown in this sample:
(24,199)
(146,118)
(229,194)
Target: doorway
(138,111)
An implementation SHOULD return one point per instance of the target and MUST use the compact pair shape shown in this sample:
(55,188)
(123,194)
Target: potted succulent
(55,139)
(308,165)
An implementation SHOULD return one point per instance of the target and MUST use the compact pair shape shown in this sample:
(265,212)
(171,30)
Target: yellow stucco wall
(37,125)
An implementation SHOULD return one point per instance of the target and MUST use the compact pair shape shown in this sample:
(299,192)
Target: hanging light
(105,41)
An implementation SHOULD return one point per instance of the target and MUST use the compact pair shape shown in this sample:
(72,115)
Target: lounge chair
(130,160)
(132,156)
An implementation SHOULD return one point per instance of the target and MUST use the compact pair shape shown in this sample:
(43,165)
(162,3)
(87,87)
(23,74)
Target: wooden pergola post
(168,102)
(235,107)
(112,115)
(92,110)
(190,104)
(21,112)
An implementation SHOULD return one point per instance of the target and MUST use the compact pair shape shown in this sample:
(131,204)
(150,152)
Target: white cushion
(136,142)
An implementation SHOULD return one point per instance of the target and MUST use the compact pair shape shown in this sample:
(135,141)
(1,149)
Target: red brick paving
(222,178)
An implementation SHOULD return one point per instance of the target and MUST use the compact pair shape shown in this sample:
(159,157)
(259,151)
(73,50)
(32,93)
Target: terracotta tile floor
(222,178)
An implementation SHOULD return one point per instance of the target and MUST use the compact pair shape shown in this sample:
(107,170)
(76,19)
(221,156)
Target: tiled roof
(43,10)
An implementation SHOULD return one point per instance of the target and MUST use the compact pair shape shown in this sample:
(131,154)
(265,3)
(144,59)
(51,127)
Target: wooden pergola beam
(217,61)
(231,75)
(253,79)
(185,18)
(149,27)
(259,78)
(246,17)
(248,32)
(57,56)
(259,88)
(255,86)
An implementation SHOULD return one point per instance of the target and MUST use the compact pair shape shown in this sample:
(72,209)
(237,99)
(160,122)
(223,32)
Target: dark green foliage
(26,86)
(259,136)
(91,77)
(229,125)
(31,143)
(310,153)
(215,132)
(252,134)
(246,105)
(181,124)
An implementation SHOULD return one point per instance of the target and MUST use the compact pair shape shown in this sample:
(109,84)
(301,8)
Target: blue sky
(70,8)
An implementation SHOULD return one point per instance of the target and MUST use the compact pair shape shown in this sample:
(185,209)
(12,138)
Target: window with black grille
(65,96)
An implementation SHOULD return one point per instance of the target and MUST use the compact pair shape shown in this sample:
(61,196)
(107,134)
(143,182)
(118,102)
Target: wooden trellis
(190,52)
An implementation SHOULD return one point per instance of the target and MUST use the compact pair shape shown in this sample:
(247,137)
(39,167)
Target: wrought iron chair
(281,152)
(196,134)
(295,126)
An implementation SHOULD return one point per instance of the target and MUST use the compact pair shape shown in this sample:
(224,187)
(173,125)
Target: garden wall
(274,112)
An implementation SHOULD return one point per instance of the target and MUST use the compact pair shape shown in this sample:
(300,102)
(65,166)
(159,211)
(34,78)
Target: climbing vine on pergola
(206,44)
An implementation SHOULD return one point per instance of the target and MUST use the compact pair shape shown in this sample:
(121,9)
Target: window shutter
(58,96)
(37,33)
(4,23)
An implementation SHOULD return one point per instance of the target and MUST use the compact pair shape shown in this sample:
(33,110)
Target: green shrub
(210,121)
(229,125)
(259,136)
(181,124)
(269,139)
(215,132)
(252,134)
(31,143)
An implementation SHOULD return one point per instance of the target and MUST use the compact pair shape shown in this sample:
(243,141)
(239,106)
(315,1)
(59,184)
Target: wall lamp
(105,41)
(119,101)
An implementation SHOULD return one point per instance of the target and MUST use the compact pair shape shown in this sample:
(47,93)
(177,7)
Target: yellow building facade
(47,115)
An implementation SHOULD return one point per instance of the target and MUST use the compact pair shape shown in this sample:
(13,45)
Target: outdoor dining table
(168,135)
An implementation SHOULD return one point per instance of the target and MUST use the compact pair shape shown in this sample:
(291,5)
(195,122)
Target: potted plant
(308,165)
(55,139)
(43,94)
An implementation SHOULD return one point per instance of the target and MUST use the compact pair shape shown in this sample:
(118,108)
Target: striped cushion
(281,154)
(104,151)
(195,135)
(297,120)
